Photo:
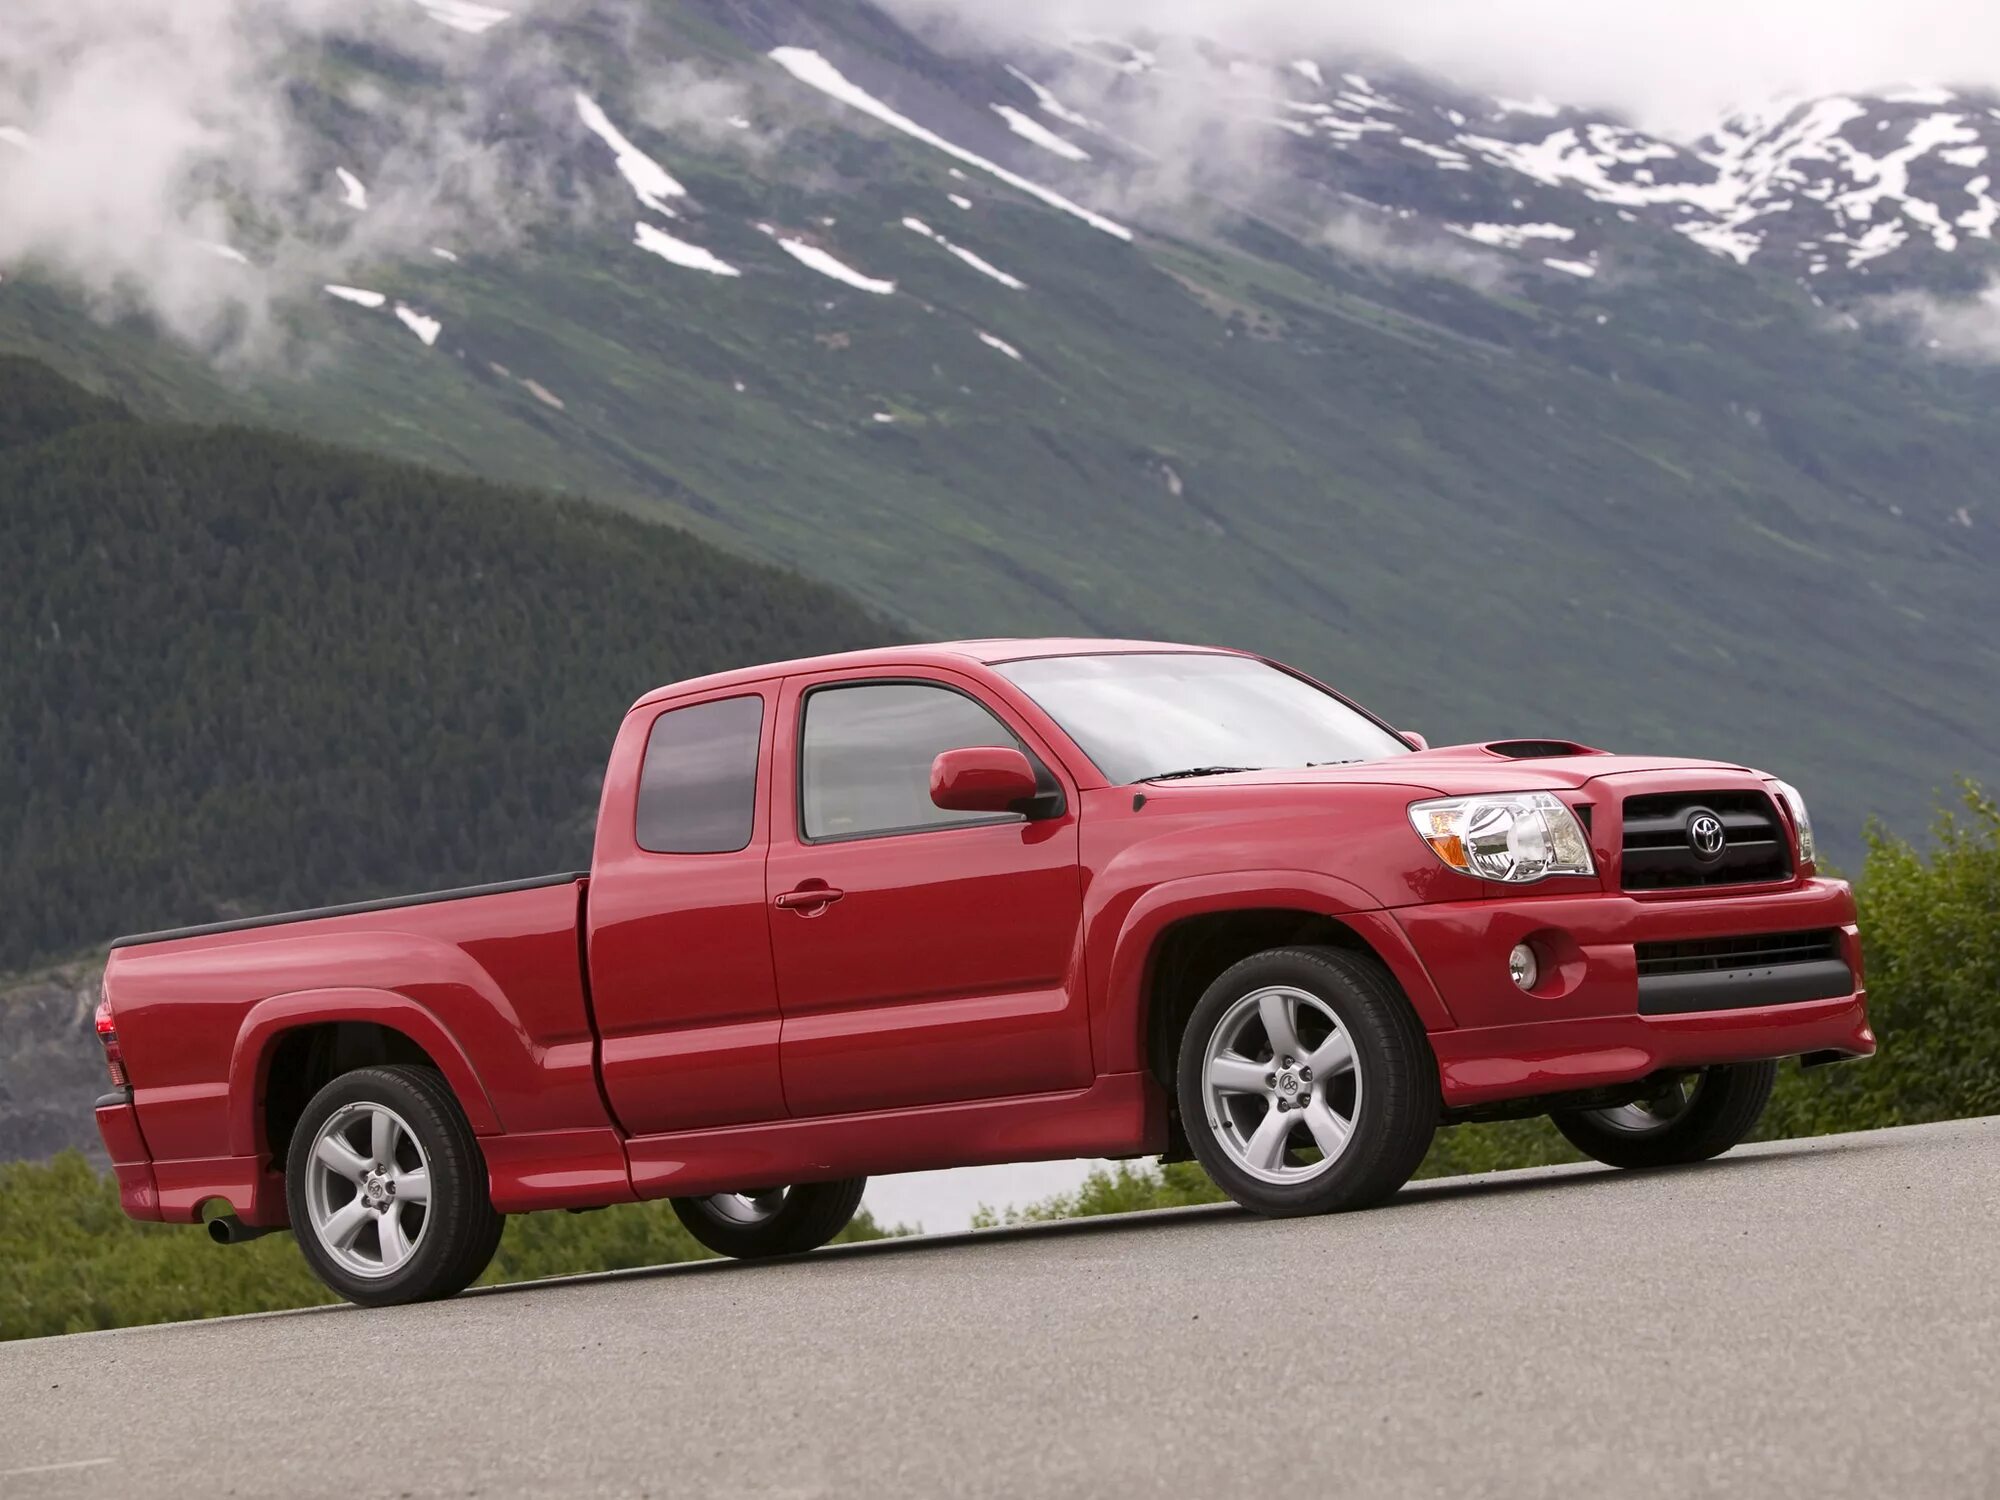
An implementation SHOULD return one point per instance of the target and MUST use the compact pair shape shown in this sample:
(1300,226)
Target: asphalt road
(1815,1318)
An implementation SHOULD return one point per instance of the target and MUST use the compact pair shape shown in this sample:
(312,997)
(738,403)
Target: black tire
(460,1229)
(811,1214)
(1724,1108)
(1398,1114)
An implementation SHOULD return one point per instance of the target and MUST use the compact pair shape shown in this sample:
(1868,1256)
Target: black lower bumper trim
(1742,989)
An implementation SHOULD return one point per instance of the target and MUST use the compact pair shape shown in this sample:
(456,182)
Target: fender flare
(268,1020)
(1127,1012)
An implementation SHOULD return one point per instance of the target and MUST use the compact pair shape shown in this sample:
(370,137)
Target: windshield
(1146,715)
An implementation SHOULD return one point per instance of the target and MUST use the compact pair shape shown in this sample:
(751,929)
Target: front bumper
(1583,1026)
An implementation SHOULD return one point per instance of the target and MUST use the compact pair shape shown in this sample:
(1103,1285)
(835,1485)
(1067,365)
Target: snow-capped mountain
(1462,400)
(1872,184)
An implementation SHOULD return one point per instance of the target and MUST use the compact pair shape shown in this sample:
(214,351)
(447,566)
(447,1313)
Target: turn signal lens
(1516,837)
(1801,819)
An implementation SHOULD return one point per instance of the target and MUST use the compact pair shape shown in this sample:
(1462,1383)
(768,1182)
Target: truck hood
(1463,770)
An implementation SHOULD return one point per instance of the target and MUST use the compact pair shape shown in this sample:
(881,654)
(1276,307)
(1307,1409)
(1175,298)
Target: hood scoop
(1538,749)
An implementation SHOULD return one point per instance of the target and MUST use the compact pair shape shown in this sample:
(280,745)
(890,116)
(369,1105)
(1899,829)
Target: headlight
(1513,836)
(1800,817)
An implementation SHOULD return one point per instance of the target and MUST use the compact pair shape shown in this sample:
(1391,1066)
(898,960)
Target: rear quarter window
(698,788)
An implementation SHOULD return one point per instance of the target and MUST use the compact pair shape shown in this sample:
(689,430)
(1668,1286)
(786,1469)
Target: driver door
(922,956)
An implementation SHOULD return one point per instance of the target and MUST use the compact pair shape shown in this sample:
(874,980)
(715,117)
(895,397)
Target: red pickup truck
(985,902)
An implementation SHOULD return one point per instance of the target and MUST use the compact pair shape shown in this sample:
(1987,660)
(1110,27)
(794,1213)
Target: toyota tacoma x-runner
(996,901)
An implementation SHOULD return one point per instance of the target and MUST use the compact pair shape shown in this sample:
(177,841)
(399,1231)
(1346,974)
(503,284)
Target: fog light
(1521,966)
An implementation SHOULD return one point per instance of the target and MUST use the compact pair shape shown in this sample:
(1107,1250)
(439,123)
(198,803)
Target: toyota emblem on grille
(1706,835)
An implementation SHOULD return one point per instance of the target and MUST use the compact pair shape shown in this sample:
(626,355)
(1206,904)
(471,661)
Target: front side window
(1148,714)
(698,791)
(866,753)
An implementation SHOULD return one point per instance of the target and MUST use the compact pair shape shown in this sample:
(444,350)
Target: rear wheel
(387,1188)
(1305,1082)
(771,1221)
(1688,1118)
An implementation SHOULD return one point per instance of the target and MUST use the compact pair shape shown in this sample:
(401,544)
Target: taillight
(107,1036)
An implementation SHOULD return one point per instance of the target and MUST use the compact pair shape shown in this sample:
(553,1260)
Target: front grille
(1713,955)
(1660,855)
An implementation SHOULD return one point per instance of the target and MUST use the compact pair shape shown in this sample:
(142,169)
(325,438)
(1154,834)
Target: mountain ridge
(1675,503)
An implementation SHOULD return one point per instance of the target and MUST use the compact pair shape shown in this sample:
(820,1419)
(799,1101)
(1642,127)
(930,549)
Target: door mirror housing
(1414,738)
(985,779)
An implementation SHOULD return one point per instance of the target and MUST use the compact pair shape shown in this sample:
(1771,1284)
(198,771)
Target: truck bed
(226,1028)
(350,909)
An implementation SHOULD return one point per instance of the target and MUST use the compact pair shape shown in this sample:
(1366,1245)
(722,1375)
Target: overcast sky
(1673,63)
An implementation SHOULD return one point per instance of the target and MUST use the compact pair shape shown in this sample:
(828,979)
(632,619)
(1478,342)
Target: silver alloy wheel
(1652,1115)
(752,1207)
(368,1189)
(1279,1077)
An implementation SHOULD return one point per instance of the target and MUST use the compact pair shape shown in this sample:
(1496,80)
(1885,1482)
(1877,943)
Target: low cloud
(177,157)
(1376,239)
(1962,329)
(689,101)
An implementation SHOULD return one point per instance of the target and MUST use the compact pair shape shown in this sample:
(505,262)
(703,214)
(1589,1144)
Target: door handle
(809,901)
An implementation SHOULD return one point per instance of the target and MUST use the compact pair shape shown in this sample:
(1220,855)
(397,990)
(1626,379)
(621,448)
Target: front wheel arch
(1189,955)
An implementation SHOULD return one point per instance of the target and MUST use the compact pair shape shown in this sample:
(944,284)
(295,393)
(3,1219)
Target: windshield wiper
(1200,771)
(1355,761)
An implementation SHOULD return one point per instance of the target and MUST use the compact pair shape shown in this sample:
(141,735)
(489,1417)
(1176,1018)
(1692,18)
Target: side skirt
(1122,1114)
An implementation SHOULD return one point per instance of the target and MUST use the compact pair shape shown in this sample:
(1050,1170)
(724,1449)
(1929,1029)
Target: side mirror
(1414,738)
(983,779)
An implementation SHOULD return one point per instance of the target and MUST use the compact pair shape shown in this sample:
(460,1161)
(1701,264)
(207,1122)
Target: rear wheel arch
(301,1061)
(291,1046)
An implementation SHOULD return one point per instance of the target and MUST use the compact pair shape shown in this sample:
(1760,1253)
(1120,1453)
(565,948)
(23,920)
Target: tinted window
(698,791)
(1151,713)
(866,764)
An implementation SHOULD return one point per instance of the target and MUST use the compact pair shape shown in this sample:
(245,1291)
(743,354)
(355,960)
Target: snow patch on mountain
(358,295)
(353,191)
(1001,344)
(827,265)
(978,263)
(1037,133)
(816,72)
(651,182)
(423,327)
(1049,104)
(1920,95)
(679,252)
(1512,236)
(463,15)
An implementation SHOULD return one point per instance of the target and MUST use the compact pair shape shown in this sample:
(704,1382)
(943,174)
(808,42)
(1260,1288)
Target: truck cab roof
(984,652)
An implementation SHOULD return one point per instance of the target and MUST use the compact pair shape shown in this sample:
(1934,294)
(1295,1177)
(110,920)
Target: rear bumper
(131,1163)
(1591,1022)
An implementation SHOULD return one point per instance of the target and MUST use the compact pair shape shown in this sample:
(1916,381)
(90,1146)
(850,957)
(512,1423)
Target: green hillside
(1670,508)
(246,672)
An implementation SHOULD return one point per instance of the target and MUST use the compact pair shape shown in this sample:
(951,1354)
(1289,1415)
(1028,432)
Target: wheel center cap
(375,1189)
(1288,1083)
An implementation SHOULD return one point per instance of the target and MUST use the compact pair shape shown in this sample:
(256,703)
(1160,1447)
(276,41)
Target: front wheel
(1688,1118)
(762,1222)
(1305,1082)
(387,1188)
